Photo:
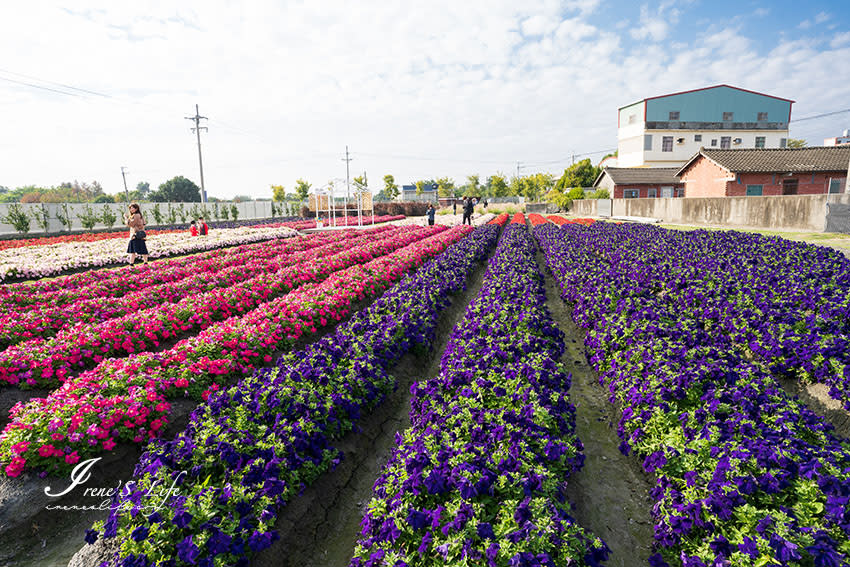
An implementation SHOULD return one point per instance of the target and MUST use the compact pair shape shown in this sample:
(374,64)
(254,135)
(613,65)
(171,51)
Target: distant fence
(818,213)
(51,218)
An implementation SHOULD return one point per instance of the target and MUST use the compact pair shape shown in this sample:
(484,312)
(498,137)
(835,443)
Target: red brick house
(786,171)
(640,182)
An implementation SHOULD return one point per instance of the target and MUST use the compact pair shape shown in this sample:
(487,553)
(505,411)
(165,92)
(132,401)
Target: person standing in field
(136,222)
(193,228)
(430,214)
(203,229)
(467,211)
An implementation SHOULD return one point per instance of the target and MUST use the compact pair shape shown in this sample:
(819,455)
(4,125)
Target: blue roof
(425,188)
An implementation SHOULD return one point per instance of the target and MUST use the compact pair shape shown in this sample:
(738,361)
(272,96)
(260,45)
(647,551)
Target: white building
(838,140)
(667,130)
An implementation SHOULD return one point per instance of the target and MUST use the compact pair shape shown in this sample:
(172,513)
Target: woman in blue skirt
(137,244)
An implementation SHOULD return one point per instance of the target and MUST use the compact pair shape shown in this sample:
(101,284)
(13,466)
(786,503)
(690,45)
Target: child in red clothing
(193,229)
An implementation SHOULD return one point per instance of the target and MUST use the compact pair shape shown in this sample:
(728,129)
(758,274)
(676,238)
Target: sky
(415,89)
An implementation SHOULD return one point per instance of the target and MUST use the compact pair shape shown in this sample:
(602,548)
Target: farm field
(533,390)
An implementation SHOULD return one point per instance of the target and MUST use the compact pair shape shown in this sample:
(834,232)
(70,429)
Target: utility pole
(197,130)
(123,176)
(347,159)
(517,170)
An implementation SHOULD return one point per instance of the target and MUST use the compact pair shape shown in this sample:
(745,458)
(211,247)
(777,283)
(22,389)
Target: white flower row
(42,261)
(448,220)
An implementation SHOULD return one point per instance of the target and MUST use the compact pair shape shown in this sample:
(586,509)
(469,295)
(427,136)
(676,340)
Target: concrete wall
(789,212)
(247,210)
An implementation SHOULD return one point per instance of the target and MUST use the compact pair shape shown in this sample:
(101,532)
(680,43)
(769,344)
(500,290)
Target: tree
(104,199)
(143,188)
(796,143)
(420,186)
(498,185)
(177,190)
(580,174)
(242,198)
(390,187)
(302,189)
(445,187)
(361,184)
(473,183)
(278,193)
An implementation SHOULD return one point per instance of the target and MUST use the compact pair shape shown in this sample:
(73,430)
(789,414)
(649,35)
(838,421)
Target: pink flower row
(107,299)
(125,399)
(62,289)
(44,363)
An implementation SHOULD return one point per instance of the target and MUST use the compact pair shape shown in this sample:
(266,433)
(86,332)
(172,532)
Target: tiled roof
(642,175)
(786,160)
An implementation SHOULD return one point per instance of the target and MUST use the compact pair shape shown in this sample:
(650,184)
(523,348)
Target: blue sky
(415,89)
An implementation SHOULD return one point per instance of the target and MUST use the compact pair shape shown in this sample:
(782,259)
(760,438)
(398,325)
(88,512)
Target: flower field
(287,346)
(687,332)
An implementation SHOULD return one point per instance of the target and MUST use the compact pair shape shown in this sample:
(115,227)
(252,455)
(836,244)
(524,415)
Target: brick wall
(807,183)
(704,178)
(643,189)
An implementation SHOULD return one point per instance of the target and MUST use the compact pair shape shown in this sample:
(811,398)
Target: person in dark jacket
(467,211)
(430,214)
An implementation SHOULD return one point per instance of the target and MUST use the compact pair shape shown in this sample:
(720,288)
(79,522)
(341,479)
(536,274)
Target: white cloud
(287,86)
(805,24)
(840,40)
(822,17)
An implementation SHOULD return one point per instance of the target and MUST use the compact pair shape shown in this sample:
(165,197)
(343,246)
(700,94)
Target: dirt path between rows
(610,494)
(321,526)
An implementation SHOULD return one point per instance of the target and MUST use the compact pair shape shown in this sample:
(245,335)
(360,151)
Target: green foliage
(390,188)
(498,185)
(446,186)
(63,215)
(580,174)
(234,212)
(177,189)
(278,193)
(88,218)
(41,217)
(796,143)
(600,194)
(172,214)
(108,217)
(420,186)
(104,199)
(302,189)
(17,217)
(157,213)
(576,193)
(182,213)
(143,188)
(224,210)
(532,187)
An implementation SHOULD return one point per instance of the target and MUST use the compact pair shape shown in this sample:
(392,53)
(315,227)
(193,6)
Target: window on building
(714,142)
(632,118)
(631,193)
(679,192)
(762,116)
(652,192)
(697,137)
(754,190)
(725,142)
(666,191)
(674,115)
(836,184)
(783,142)
(647,142)
(789,186)
(759,141)
(728,116)
(667,144)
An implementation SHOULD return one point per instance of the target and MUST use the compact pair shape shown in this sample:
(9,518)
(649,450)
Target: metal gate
(837,218)
(604,207)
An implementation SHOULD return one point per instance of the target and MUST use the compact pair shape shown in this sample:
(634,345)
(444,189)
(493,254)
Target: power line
(63,85)
(821,115)
(40,87)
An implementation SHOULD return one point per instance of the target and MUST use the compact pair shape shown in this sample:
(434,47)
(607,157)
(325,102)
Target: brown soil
(817,398)
(321,526)
(610,495)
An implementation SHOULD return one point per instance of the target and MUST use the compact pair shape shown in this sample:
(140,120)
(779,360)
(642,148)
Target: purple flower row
(479,477)
(253,447)
(746,475)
